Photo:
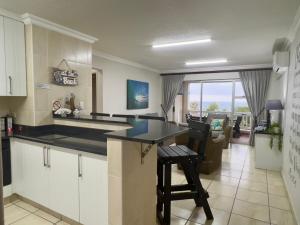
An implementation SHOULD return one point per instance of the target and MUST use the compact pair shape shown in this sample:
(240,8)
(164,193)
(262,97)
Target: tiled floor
(239,195)
(21,213)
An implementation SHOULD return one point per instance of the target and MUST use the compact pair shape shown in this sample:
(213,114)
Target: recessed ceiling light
(207,40)
(203,62)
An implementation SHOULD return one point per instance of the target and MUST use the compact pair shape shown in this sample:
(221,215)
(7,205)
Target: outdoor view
(217,97)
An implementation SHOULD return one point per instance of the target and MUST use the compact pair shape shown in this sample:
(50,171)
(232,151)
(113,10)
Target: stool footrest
(183,187)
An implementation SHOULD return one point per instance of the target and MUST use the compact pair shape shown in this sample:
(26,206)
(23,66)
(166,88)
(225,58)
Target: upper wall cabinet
(12,58)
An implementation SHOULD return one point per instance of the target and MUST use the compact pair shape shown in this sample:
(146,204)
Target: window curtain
(171,87)
(256,85)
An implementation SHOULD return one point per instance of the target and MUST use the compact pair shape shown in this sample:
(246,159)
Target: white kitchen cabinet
(17,166)
(93,184)
(2,59)
(66,181)
(12,57)
(35,173)
(63,182)
(29,170)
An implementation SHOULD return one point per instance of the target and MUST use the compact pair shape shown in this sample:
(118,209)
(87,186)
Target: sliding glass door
(218,97)
(194,98)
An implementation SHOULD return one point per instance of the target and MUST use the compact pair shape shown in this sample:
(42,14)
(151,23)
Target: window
(220,96)
(194,98)
(217,97)
(240,102)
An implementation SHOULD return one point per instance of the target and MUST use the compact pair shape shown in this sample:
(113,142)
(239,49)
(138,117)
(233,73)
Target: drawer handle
(48,157)
(44,156)
(79,165)
(10,85)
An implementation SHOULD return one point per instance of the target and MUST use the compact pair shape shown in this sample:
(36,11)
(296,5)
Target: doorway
(94,92)
(97,90)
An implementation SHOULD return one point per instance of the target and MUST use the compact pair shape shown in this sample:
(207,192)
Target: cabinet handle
(10,85)
(48,157)
(44,156)
(79,165)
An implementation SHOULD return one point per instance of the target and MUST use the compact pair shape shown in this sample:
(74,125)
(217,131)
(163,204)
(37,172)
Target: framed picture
(137,94)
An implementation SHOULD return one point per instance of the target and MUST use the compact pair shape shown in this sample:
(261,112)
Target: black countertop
(143,130)
(104,119)
(81,139)
(148,131)
(94,140)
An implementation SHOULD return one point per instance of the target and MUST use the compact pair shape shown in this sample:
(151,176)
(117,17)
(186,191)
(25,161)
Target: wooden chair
(152,117)
(99,114)
(123,116)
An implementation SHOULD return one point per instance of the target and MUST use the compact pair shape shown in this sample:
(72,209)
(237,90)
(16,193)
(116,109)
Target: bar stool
(166,192)
(188,160)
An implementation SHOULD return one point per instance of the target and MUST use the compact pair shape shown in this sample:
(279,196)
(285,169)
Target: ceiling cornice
(32,19)
(219,68)
(123,61)
(295,26)
(9,14)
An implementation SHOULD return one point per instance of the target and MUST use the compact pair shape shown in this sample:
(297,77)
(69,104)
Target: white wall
(212,76)
(291,156)
(115,77)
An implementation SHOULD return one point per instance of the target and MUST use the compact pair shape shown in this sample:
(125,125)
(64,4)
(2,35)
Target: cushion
(217,124)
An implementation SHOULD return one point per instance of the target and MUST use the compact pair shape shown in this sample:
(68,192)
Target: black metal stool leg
(187,168)
(167,194)
(203,195)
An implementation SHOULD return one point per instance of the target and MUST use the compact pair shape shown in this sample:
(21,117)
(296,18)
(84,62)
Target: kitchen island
(129,148)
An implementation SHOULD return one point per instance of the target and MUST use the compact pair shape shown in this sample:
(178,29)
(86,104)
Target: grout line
(268,197)
(237,189)
(26,209)
(20,219)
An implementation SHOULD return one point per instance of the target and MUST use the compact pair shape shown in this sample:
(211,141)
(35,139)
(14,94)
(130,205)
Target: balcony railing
(246,122)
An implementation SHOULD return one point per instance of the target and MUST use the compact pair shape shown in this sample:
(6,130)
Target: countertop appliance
(6,126)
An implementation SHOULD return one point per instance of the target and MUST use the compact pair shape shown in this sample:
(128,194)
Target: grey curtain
(256,85)
(171,87)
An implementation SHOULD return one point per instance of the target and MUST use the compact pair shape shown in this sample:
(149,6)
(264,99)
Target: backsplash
(45,49)
(4,108)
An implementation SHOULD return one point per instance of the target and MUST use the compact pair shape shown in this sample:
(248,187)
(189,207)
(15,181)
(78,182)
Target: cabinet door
(63,185)
(17,166)
(14,43)
(35,173)
(93,192)
(2,60)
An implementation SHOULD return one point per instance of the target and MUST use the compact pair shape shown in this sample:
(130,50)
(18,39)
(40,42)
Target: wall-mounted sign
(65,77)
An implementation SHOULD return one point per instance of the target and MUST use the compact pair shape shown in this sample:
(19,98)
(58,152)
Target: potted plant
(276,134)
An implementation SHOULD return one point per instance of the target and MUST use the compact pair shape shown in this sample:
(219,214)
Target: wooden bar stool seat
(166,192)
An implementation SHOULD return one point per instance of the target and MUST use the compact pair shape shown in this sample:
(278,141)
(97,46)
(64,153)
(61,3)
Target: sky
(220,92)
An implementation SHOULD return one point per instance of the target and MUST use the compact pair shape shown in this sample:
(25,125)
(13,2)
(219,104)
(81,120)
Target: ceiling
(243,31)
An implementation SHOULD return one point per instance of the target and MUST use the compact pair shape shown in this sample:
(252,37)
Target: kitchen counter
(141,130)
(148,131)
(105,119)
(82,139)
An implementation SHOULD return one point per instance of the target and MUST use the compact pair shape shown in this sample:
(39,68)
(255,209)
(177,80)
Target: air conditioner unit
(281,62)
